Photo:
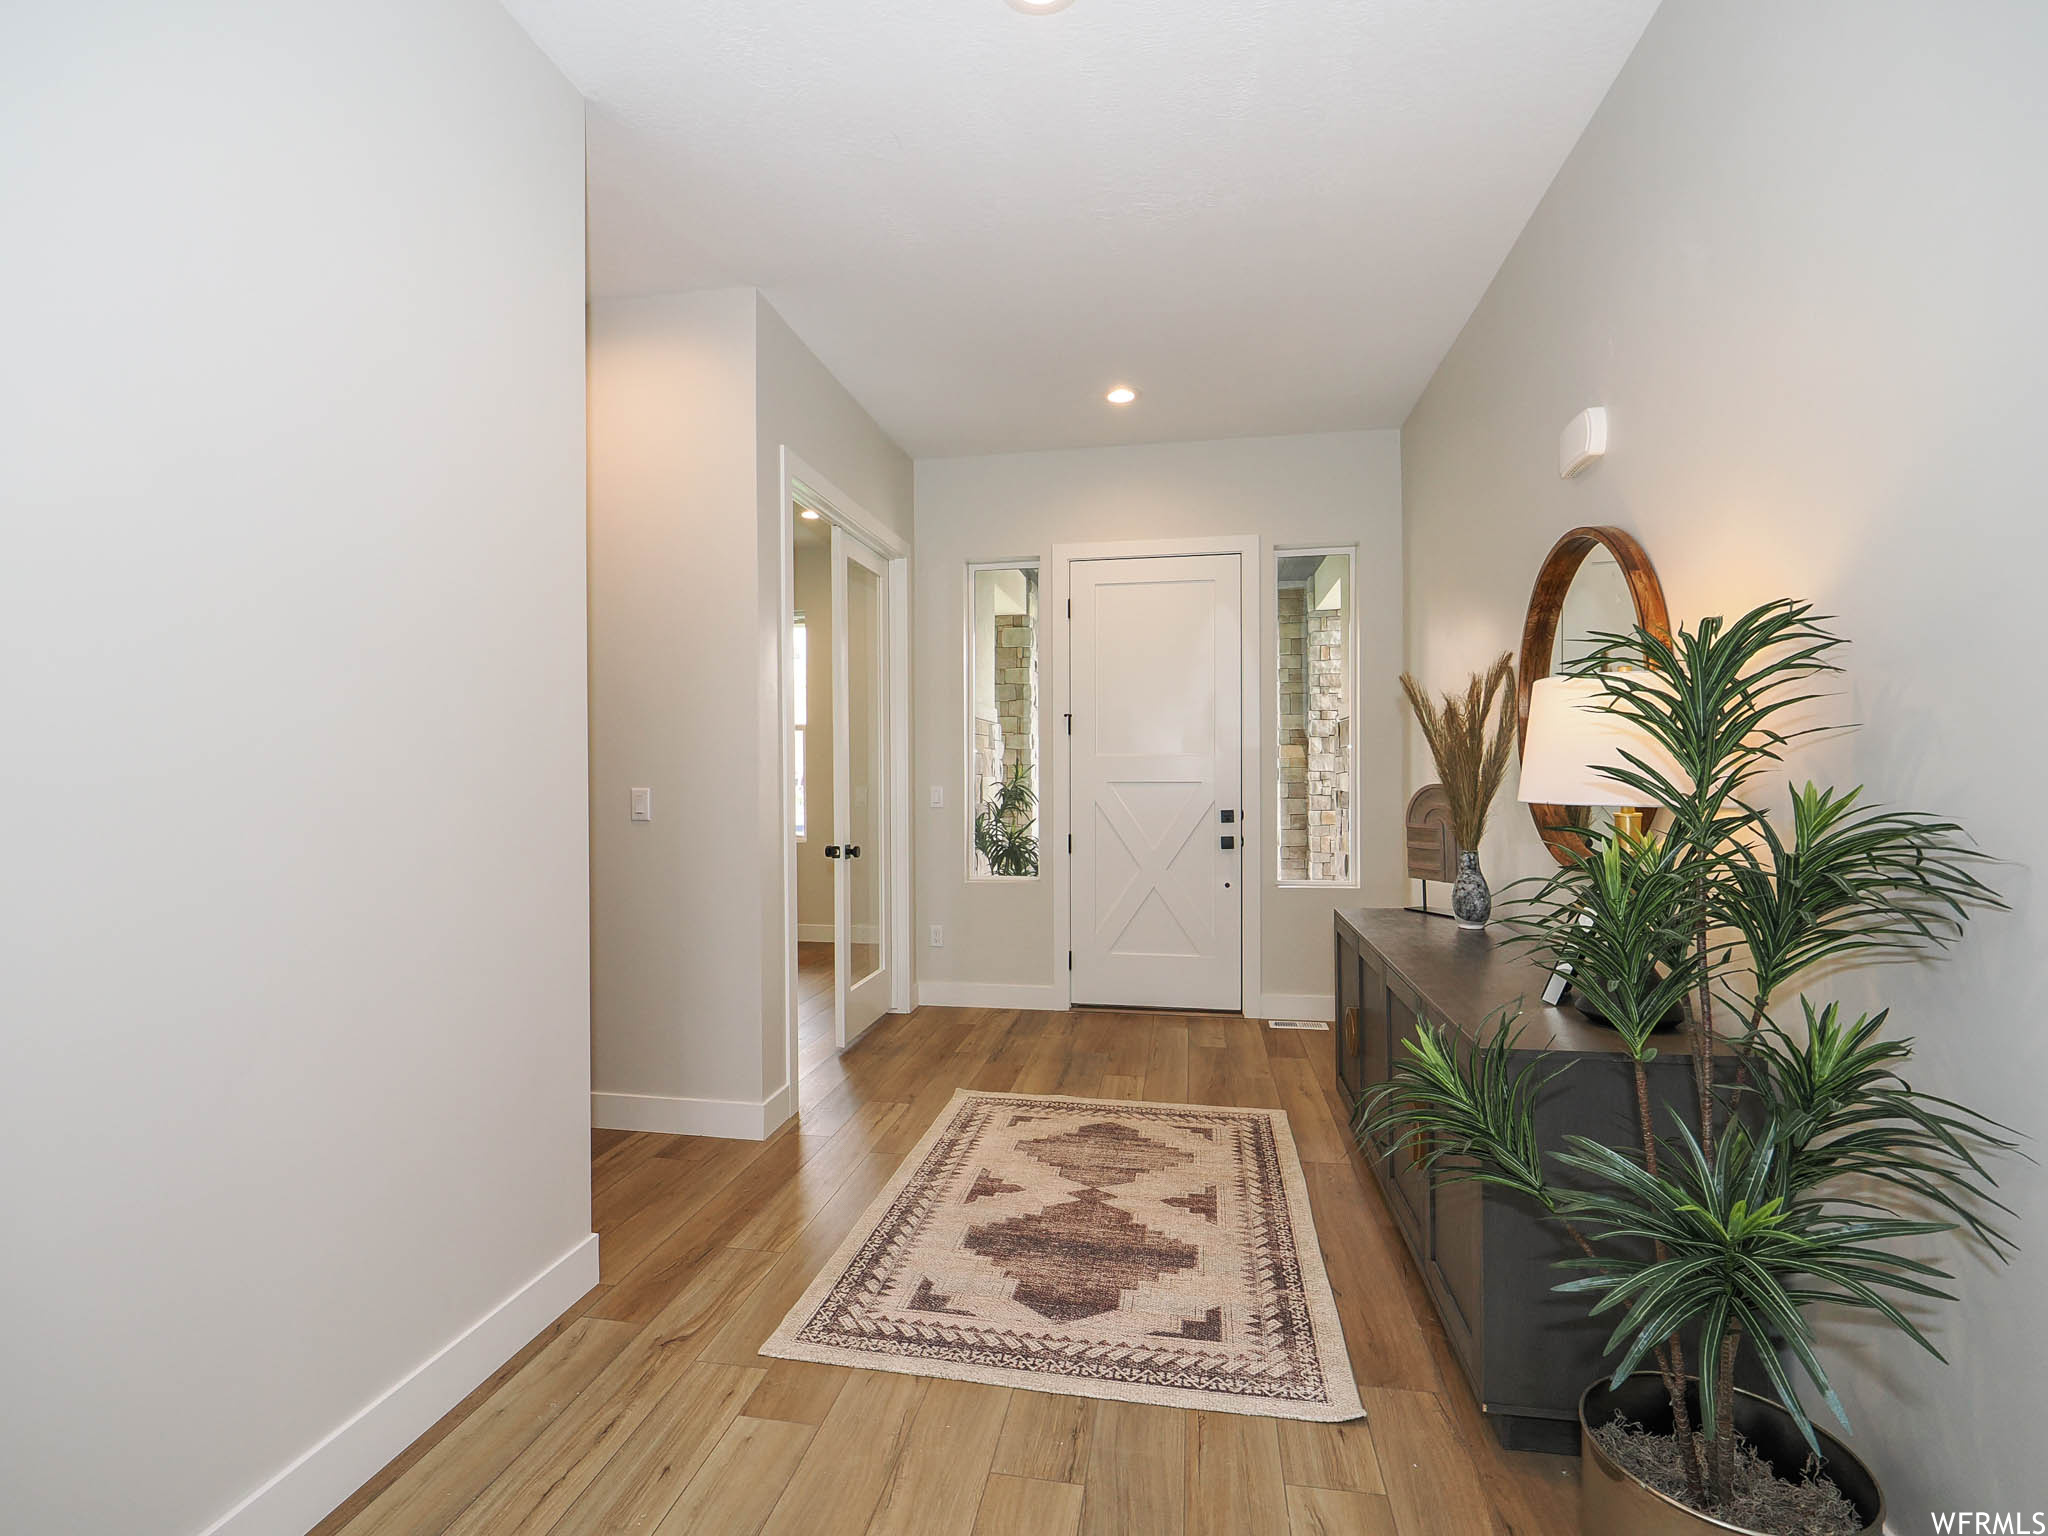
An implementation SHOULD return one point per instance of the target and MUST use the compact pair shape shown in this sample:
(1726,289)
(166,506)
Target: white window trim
(1021,563)
(1351,675)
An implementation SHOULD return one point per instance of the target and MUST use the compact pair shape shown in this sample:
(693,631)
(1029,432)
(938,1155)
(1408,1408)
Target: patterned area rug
(1158,1253)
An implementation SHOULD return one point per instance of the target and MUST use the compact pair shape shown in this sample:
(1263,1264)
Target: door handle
(853,850)
(831,850)
(1229,842)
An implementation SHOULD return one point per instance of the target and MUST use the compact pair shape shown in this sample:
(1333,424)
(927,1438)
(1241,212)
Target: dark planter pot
(1612,1503)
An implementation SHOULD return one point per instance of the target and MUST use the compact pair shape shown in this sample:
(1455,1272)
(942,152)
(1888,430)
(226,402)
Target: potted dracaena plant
(1006,826)
(1791,1184)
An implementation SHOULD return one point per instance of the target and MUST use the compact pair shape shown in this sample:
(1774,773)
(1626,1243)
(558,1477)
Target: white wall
(1797,257)
(293,1075)
(676,1000)
(1336,488)
(692,399)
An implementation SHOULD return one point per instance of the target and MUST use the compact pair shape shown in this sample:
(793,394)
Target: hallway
(813,1013)
(647,1409)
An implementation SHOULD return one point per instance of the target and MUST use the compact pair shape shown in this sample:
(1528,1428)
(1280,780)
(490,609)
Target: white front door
(860,785)
(1156,880)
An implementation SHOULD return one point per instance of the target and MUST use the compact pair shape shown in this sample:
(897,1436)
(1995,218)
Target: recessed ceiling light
(807,514)
(1040,7)
(1123,394)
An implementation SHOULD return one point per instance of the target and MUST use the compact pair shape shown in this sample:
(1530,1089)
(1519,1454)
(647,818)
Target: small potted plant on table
(1712,1237)
(1472,758)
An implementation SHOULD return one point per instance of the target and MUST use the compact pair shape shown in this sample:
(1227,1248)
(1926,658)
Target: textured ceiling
(1269,215)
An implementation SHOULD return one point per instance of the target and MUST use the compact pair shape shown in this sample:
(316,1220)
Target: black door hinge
(1070,959)
(1070,842)
(1070,724)
(1070,607)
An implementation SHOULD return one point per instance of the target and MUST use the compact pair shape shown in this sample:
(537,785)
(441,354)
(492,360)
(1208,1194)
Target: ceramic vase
(1471,901)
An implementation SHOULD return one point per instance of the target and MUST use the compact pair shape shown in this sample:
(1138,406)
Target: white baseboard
(777,1107)
(989,994)
(732,1119)
(1297,1005)
(303,1493)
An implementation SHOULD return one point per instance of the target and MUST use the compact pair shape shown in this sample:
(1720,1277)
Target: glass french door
(860,799)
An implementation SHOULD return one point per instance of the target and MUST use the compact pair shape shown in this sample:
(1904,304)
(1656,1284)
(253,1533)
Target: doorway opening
(817,897)
(845,687)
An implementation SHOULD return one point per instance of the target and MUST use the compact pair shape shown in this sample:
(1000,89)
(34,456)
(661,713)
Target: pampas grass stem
(1471,756)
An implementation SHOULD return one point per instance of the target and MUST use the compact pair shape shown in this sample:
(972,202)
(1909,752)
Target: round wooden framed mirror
(1593,581)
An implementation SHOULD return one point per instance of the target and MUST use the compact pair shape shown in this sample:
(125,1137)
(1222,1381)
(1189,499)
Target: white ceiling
(1268,215)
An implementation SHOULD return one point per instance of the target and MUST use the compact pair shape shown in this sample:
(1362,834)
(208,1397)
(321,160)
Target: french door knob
(853,850)
(831,850)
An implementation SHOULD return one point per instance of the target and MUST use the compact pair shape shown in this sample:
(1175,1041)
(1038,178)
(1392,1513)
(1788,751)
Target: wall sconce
(1583,442)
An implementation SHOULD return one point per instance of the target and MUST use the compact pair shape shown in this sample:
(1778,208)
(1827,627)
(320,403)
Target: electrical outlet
(938,937)
(938,797)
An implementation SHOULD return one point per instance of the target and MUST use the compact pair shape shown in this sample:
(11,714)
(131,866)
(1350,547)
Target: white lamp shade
(1572,736)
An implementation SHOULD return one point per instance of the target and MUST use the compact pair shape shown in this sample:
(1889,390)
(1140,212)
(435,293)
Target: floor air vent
(1296,1024)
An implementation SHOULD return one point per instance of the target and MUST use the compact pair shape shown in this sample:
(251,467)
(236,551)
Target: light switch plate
(643,805)
(938,937)
(938,797)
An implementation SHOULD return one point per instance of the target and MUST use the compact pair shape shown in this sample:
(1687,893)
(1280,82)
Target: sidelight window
(1002,720)
(1318,756)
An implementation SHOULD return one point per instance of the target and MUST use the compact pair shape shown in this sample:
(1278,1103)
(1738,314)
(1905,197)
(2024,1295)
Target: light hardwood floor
(646,1409)
(813,1006)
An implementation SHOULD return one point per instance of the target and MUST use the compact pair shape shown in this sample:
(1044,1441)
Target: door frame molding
(1251,689)
(799,481)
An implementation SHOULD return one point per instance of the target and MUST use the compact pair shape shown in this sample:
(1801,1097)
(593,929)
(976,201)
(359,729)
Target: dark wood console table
(1486,1256)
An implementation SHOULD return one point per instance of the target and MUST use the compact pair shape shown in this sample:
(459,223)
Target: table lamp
(1573,735)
